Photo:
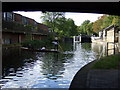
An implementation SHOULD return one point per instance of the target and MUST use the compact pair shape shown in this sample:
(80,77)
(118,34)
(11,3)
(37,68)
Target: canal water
(26,69)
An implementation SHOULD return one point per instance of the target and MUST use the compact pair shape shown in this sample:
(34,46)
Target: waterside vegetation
(35,44)
(109,62)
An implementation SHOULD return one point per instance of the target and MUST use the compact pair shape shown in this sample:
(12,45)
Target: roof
(26,17)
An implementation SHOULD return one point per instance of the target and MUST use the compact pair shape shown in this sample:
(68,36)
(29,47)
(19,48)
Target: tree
(97,25)
(71,27)
(116,21)
(66,27)
(107,21)
(86,28)
(50,18)
(89,29)
(59,24)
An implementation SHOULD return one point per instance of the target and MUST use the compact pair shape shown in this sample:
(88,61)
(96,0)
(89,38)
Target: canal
(25,69)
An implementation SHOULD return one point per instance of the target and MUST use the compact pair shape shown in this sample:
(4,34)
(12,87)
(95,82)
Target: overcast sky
(79,18)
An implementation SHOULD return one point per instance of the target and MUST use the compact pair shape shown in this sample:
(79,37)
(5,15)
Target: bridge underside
(85,7)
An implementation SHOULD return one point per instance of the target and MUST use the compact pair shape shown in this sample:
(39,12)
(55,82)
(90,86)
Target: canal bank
(89,77)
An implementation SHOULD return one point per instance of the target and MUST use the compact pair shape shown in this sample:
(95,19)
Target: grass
(109,62)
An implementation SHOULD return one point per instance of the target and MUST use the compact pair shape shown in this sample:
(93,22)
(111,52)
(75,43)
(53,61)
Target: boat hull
(39,50)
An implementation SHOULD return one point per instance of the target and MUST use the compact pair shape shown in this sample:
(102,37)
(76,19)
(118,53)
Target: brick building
(16,28)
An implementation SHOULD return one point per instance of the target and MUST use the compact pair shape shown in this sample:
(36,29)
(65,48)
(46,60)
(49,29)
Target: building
(17,28)
(112,34)
(110,38)
(109,34)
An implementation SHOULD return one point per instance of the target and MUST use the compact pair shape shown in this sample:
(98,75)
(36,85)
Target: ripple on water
(49,74)
(12,74)
(19,72)
(3,81)
(41,78)
(25,69)
(19,75)
(59,76)
(39,85)
(53,77)
(9,77)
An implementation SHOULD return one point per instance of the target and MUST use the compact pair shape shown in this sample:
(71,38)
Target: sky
(78,18)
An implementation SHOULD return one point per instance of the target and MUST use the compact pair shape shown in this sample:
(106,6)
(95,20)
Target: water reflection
(45,70)
(14,58)
(102,49)
(52,64)
(99,49)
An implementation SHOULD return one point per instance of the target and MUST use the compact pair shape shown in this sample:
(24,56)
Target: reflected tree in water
(53,64)
(15,58)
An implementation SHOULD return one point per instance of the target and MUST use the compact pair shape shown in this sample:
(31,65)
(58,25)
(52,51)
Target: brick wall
(43,37)
(31,21)
(23,36)
(37,37)
(10,38)
(18,18)
(43,27)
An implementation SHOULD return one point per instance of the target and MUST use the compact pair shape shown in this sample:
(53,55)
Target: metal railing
(114,47)
(100,55)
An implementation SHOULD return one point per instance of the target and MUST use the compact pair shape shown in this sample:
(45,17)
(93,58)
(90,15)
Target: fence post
(107,48)
(114,48)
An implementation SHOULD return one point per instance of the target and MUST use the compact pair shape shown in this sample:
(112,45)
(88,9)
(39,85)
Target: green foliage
(86,28)
(105,21)
(116,21)
(97,25)
(50,18)
(72,28)
(66,27)
(36,43)
(110,62)
(59,24)
(33,43)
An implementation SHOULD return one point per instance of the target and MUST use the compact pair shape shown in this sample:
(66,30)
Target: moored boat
(39,50)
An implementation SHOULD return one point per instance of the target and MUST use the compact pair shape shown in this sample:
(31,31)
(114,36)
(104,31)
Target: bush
(36,43)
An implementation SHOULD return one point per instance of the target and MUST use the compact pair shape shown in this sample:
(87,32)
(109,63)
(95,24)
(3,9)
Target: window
(35,23)
(9,16)
(7,41)
(4,16)
(24,20)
